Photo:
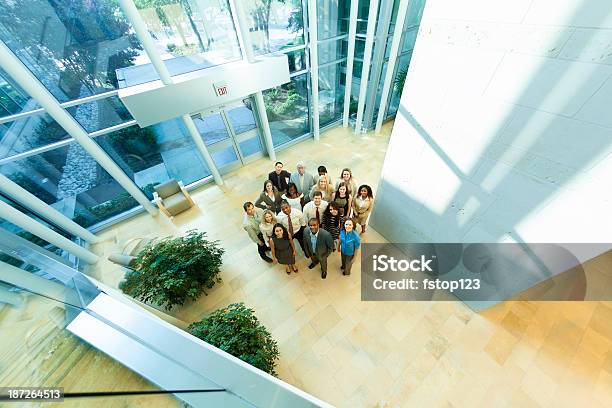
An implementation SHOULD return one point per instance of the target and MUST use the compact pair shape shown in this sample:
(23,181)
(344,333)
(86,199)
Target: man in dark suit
(318,244)
(279,177)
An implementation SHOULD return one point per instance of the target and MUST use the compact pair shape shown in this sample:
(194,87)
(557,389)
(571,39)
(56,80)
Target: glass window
(250,146)
(401,69)
(212,128)
(332,51)
(357,68)
(378,96)
(409,39)
(224,156)
(394,13)
(287,108)
(188,34)
(332,18)
(70,180)
(354,87)
(296,60)
(28,133)
(364,9)
(359,48)
(13,99)
(100,114)
(241,117)
(274,24)
(155,154)
(362,27)
(73,47)
(4,224)
(414,14)
(331,94)
(388,47)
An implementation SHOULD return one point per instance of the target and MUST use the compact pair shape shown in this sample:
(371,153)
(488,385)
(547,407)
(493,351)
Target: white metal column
(33,283)
(20,73)
(314,65)
(367,58)
(35,204)
(246,46)
(199,142)
(395,44)
(142,32)
(352,33)
(12,298)
(21,220)
(132,14)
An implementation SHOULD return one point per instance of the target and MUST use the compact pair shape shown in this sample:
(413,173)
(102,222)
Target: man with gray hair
(302,179)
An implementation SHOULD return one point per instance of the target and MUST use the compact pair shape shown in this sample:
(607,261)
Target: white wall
(505,126)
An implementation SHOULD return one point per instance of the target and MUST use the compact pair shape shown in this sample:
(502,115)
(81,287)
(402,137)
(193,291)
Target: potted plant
(236,330)
(172,270)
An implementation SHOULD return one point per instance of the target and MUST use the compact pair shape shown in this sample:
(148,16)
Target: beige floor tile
(602,391)
(538,386)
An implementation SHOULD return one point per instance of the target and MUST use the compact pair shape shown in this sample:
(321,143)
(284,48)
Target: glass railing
(38,351)
(58,330)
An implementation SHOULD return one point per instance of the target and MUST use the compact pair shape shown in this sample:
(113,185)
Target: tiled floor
(364,354)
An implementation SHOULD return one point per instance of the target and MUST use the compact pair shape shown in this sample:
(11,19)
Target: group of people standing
(321,215)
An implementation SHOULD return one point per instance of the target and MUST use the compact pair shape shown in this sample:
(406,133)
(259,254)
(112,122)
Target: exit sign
(220,88)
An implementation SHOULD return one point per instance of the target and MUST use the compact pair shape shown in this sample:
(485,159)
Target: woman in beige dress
(362,205)
(268,220)
(323,186)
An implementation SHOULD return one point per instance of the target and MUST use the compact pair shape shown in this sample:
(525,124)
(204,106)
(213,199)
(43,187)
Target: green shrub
(173,270)
(353,105)
(91,215)
(135,140)
(236,330)
(100,212)
(281,103)
(183,50)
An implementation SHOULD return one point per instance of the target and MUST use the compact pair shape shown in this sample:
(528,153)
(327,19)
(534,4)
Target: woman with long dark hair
(269,198)
(343,199)
(282,247)
(332,220)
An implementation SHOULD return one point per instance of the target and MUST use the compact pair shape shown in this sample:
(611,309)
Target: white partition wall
(504,131)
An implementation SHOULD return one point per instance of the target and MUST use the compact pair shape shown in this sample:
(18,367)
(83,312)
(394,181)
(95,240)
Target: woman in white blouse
(267,226)
(294,198)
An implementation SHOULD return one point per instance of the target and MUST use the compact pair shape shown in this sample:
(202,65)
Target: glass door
(231,134)
(243,126)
